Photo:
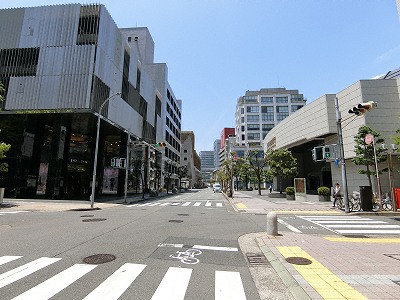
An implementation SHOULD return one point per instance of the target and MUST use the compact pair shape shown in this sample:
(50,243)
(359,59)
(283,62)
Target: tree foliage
(365,153)
(182,172)
(281,164)
(3,149)
(257,162)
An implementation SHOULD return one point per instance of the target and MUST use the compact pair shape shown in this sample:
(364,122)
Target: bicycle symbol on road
(188,256)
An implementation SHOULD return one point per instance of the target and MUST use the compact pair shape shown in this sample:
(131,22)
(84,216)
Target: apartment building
(60,65)
(257,112)
(207,165)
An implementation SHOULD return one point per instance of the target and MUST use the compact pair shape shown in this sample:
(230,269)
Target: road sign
(369,138)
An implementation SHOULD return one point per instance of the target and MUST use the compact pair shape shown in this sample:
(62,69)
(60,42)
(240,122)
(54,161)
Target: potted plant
(290,193)
(324,193)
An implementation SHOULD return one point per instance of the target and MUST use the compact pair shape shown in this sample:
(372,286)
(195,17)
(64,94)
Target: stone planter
(290,197)
(324,198)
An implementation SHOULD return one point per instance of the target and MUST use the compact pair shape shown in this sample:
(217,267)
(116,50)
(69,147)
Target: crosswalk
(353,225)
(183,204)
(174,284)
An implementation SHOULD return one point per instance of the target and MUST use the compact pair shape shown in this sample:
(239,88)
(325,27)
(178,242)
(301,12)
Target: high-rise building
(257,112)
(207,164)
(217,148)
(60,65)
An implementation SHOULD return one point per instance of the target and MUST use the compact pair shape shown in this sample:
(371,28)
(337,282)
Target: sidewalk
(10,204)
(325,267)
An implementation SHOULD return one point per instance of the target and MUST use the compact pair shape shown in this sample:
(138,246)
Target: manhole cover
(183,215)
(298,260)
(94,220)
(256,259)
(87,216)
(175,221)
(99,259)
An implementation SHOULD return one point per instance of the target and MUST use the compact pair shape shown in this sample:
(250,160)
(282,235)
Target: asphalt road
(170,250)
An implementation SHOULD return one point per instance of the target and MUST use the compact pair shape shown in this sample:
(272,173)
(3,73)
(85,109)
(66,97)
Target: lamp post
(390,166)
(97,149)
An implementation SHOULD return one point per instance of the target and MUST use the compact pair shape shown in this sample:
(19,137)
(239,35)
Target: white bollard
(1,195)
(272,223)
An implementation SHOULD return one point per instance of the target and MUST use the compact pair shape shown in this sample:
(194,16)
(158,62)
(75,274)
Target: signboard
(300,186)
(369,138)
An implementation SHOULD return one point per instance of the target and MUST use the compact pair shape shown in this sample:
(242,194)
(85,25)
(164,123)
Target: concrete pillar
(1,195)
(272,223)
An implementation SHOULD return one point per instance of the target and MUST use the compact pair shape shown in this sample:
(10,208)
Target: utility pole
(341,157)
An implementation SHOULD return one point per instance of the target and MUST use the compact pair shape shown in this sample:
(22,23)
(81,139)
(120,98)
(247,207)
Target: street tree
(365,153)
(257,162)
(228,167)
(168,172)
(242,171)
(282,165)
(136,165)
(3,146)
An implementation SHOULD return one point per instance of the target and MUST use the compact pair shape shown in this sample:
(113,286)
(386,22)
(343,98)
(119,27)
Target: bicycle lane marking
(325,283)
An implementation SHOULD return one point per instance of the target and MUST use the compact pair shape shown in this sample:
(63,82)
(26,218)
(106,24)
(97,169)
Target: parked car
(216,188)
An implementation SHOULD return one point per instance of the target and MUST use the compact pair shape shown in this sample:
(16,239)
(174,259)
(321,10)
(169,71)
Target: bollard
(272,223)
(1,195)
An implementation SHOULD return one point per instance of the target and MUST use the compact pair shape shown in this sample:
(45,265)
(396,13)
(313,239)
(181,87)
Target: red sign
(369,138)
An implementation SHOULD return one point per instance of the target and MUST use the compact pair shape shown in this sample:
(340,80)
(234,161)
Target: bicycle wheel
(375,206)
(356,204)
(339,203)
(387,206)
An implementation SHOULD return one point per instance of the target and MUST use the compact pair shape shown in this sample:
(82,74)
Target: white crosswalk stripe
(173,286)
(12,212)
(184,204)
(353,225)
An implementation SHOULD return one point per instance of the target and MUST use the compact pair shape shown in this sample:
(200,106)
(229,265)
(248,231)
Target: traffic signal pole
(341,156)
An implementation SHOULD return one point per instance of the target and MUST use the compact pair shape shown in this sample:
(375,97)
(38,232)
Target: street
(195,245)
(172,250)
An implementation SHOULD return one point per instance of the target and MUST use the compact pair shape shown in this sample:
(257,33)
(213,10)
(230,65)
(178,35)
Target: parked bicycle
(386,202)
(354,202)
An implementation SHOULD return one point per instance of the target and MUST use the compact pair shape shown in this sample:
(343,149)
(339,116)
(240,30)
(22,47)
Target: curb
(293,286)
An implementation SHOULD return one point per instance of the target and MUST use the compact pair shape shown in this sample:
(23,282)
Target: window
(242,127)
(253,118)
(129,38)
(281,99)
(267,127)
(242,110)
(296,98)
(252,109)
(267,100)
(185,158)
(253,127)
(296,107)
(243,137)
(267,113)
(242,119)
(250,99)
(253,136)
(185,151)
(281,112)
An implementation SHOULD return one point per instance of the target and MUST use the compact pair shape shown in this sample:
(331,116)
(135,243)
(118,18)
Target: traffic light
(362,108)
(160,144)
(326,152)
(317,153)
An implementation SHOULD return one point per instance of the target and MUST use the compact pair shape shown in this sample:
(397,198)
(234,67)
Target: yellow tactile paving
(364,240)
(240,205)
(327,284)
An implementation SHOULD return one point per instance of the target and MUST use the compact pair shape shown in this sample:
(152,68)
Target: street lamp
(97,149)
(390,166)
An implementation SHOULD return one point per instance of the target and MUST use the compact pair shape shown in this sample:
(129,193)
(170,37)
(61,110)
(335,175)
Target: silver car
(216,188)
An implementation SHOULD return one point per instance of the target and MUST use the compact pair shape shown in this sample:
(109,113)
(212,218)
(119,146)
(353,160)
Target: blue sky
(217,49)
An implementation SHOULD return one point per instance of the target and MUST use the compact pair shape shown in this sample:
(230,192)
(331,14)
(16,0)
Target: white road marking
(174,284)
(219,204)
(186,204)
(24,270)
(364,226)
(290,227)
(57,283)
(197,204)
(164,204)
(154,204)
(170,245)
(14,212)
(6,259)
(208,204)
(228,249)
(228,285)
(370,231)
(115,285)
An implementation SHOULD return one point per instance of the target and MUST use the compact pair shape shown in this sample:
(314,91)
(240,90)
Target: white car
(216,188)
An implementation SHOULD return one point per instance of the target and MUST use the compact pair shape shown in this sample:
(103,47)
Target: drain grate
(99,259)
(256,259)
(175,221)
(183,215)
(94,220)
(295,260)
(87,216)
